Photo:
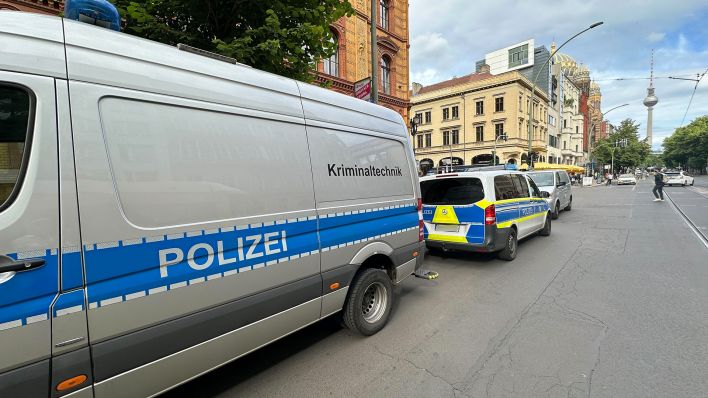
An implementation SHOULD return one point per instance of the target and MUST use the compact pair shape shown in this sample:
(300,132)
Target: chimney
(416,88)
(484,69)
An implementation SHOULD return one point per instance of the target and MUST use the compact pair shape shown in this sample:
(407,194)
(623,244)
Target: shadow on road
(229,376)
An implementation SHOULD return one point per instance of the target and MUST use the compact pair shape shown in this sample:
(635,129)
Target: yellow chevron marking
(447,238)
(483,204)
(445,215)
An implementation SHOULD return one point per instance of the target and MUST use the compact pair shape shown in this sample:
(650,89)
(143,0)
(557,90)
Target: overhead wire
(695,87)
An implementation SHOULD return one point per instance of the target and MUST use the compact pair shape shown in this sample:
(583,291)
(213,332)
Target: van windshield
(542,179)
(452,191)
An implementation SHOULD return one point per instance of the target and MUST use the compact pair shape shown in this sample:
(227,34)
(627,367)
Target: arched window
(331,64)
(383,13)
(386,75)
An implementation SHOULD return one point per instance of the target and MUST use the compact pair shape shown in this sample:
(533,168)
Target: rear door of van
(365,187)
(451,211)
(507,203)
(197,209)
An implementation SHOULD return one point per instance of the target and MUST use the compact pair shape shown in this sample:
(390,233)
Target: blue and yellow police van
(482,210)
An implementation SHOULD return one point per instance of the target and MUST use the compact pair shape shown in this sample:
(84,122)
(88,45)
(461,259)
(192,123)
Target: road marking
(689,223)
(634,187)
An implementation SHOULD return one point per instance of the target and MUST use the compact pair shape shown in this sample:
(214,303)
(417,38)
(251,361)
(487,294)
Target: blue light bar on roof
(94,12)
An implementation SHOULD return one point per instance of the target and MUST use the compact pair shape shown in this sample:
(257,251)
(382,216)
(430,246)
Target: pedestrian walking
(609,178)
(658,190)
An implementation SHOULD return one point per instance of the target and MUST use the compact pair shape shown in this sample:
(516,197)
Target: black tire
(684,184)
(546,230)
(510,248)
(692,182)
(556,211)
(570,205)
(370,296)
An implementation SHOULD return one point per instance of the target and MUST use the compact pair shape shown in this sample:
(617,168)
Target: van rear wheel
(509,251)
(369,302)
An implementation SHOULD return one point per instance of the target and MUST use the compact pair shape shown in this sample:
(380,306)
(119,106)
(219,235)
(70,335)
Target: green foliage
(688,146)
(633,155)
(653,160)
(286,37)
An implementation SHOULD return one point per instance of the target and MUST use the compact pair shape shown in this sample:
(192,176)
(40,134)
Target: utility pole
(374,55)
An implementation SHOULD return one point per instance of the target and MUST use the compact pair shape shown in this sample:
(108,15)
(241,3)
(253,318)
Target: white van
(163,213)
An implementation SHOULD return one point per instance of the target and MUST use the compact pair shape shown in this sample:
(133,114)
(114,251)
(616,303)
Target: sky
(449,36)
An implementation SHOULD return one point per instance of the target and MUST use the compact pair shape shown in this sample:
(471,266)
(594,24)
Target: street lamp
(494,154)
(533,84)
(414,124)
(592,126)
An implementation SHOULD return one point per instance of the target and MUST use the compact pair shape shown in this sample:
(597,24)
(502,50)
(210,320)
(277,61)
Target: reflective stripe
(448,238)
(507,224)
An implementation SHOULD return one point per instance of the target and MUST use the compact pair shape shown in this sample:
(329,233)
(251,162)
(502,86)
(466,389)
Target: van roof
(471,174)
(102,56)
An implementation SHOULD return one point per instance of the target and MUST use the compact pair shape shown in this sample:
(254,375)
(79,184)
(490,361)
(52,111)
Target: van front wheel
(369,302)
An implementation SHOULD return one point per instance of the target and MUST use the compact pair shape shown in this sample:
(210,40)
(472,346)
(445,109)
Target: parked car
(221,208)
(557,184)
(626,179)
(678,178)
(482,211)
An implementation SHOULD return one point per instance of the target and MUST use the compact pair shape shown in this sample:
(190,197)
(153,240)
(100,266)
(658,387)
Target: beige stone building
(462,117)
(352,62)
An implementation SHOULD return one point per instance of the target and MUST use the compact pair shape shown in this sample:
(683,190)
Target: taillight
(490,215)
(421,226)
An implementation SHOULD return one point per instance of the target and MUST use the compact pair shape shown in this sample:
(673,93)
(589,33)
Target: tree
(688,146)
(286,37)
(630,156)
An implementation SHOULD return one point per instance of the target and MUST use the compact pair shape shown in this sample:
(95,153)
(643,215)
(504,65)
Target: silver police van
(163,213)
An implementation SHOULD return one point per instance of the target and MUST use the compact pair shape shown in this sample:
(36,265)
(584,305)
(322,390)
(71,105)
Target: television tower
(650,100)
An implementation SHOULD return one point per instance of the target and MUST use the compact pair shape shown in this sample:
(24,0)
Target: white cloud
(656,37)
(426,77)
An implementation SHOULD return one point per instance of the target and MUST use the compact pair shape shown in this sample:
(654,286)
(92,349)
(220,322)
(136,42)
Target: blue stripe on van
(123,270)
(27,296)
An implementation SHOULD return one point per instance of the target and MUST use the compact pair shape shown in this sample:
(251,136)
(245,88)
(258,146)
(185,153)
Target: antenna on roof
(209,54)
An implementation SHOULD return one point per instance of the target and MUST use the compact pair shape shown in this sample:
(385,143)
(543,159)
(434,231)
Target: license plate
(447,228)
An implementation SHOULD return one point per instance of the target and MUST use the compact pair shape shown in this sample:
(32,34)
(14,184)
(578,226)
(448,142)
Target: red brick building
(51,7)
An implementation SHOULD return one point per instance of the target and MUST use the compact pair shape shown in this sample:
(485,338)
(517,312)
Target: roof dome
(581,74)
(566,62)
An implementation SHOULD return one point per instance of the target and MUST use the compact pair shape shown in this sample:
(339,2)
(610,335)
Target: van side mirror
(545,194)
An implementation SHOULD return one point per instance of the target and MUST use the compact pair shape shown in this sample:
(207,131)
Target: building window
(576,148)
(428,140)
(499,104)
(420,140)
(479,108)
(519,56)
(386,75)
(331,64)
(455,112)
(383,13)
(446,138)
(520,104)
(564,144)
(446,113)
(576,129)
(551,120)
(428,117)
(565,123)
(479,133)
(455,137)
(498,130)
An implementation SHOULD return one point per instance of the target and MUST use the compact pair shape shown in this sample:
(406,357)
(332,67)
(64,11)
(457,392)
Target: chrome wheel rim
(374,302)
(512,244)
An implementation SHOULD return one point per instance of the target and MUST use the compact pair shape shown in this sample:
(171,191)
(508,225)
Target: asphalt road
(612,304)
(693,202)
